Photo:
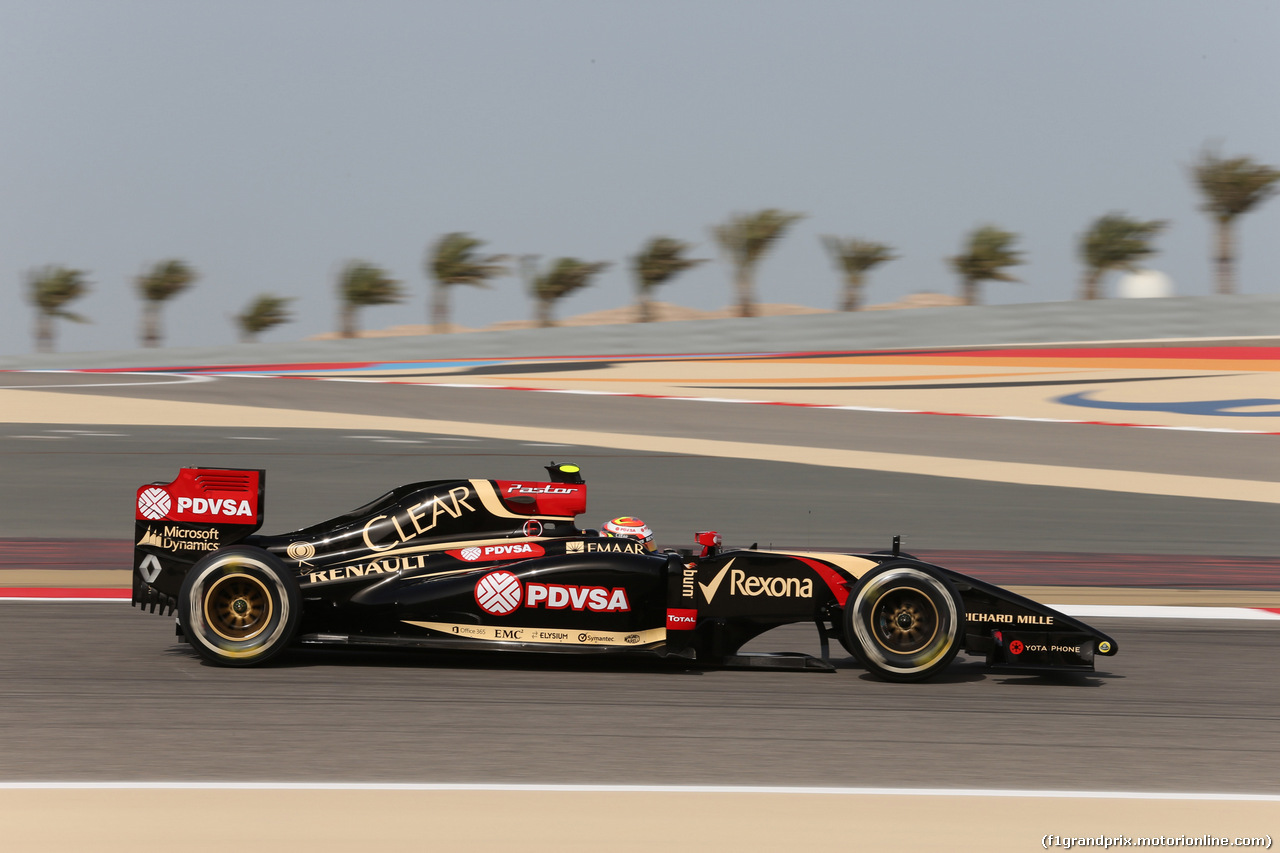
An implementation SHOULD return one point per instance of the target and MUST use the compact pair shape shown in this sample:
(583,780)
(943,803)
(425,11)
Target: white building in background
(1144,284)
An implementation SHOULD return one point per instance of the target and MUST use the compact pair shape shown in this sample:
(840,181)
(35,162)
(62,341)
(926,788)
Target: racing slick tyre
(842,634)
(239,606)
(903,622)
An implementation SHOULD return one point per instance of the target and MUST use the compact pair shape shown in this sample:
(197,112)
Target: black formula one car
(501,565)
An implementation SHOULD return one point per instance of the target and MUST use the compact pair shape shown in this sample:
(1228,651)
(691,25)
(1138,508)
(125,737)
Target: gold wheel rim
(904,621)
(237,607)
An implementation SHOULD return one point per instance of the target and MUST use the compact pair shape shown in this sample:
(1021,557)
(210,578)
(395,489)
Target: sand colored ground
(1188,392)
(75,821)
(20,406)
(1018,402)
(99,578)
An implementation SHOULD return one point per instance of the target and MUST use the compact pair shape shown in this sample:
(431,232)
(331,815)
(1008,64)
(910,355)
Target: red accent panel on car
(681,619)
(564,500)
(205,495)
(492,553)
(833,579)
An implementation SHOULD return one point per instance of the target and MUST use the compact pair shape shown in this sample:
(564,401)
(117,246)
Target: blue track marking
(1210,408)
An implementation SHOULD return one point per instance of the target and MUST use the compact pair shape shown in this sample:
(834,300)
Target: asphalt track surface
(78,483)
(101,691)
(70,477)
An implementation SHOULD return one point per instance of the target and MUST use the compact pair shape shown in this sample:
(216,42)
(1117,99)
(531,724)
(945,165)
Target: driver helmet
(629,527)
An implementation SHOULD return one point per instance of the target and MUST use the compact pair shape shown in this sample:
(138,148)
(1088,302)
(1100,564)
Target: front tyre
(903,622)
(239,606)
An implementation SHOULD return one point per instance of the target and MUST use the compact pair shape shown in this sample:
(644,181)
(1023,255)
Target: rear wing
(177,523)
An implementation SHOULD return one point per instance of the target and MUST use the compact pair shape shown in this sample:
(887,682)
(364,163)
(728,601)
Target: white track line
(1162,611)
(637,789)
(176,379)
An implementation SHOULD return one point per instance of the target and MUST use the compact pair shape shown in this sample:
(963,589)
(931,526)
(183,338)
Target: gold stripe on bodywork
(856,566)
(559,636)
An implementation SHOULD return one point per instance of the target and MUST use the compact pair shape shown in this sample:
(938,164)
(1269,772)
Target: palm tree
(453,260)
(265,312)
(854,258)
(362,284)
(661,259)
(987,252)
(165,280)
(1114,242)
(1231,188)
(50,289)
(565,276)
(744,239)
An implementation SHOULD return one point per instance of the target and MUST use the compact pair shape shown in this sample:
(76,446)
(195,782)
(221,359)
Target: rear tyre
(239,606)
(903,622)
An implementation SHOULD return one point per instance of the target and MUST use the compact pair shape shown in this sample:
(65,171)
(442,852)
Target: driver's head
(628,527)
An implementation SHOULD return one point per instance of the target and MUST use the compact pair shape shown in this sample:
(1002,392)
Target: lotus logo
(301,551)
(154,503)
(471,554)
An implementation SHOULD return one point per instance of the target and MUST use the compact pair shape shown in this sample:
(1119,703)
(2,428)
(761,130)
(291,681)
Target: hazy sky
(268,142)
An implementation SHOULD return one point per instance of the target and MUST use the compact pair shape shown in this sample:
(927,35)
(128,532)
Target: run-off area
(79,484)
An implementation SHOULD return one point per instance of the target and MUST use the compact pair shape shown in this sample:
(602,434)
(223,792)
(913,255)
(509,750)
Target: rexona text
(741,584)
